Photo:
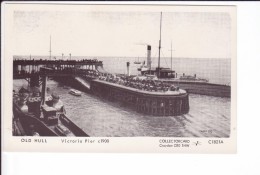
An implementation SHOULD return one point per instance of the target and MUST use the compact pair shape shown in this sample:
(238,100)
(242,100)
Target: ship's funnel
(149,61)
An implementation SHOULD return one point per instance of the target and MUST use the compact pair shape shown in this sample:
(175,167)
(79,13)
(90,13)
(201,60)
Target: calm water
(208,116)
(216,70)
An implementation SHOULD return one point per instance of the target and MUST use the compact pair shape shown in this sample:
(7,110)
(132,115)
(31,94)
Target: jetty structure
(89,78)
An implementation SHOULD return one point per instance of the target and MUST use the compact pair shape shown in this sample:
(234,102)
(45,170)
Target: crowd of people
(136,82)
(141,83)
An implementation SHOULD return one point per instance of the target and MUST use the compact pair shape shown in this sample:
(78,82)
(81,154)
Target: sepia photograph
(112,87)
(122,74)
(122,71)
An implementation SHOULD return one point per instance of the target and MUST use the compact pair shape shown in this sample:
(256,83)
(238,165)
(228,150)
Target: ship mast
(50,47)
(160,47)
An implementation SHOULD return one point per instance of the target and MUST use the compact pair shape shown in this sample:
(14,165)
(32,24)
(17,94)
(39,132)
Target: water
(208,116)
(216,70)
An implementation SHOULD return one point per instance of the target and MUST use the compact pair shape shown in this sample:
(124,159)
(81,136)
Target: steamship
(164,73)
(159,72)
(35,115)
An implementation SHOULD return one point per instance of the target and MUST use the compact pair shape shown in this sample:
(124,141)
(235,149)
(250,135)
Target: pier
(34,71)
(157,102)
(170,103)
(27,68)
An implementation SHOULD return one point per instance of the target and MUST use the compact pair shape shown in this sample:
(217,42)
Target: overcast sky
(96,33)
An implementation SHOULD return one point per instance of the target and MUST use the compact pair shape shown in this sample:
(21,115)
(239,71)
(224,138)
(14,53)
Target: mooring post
(127,68)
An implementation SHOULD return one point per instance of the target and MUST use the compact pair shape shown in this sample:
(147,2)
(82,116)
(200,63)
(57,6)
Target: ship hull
(25,121)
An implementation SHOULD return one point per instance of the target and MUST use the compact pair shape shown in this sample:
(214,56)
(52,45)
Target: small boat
(193,78)
(137,62)
(75,92)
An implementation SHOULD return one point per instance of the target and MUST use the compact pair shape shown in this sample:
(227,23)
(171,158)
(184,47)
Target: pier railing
(57,62)
(28,68)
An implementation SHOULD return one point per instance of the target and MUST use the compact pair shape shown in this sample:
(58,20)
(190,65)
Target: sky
(122,34)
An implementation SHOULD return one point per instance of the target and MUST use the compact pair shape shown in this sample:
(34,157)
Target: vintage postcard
(118,78)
